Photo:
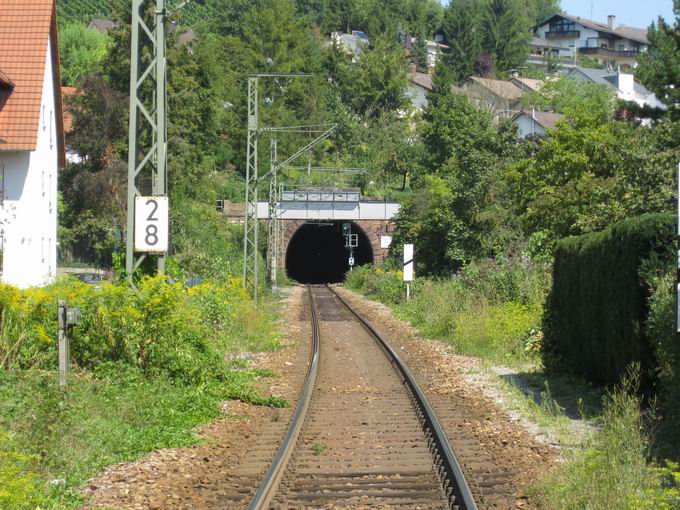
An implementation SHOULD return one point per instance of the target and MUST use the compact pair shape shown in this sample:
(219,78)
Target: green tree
(583,103)
(507,33)
(462,26)
(538,10)
(659,67)
(81,51)
(461,148)
(420,52)
(377,83)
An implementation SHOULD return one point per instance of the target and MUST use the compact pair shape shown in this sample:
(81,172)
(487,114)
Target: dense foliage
(490,308)
(659,68)
(599,301)
(162,329)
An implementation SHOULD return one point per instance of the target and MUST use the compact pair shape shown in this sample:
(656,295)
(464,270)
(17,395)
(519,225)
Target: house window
(42,249)
(562,25)
(42,183)
(622,47)
(2,185)
(43,117)
(51,139)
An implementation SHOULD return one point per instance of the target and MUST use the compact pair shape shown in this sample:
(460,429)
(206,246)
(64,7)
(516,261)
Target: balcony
(563,34)
(607,52)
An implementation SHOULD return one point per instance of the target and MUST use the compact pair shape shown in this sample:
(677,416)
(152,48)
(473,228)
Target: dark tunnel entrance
(317,254)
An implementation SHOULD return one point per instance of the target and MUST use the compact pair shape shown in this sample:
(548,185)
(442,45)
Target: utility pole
(272,238)
(251,220)
(148,139)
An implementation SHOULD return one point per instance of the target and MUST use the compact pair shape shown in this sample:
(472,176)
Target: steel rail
(272,478)
(453,473)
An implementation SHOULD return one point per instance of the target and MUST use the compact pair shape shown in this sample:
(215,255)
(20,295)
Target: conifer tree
(420,52)
(507,32)
(659,66)
(463,29)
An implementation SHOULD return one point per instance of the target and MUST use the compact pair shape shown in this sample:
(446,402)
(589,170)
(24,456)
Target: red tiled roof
(25,28)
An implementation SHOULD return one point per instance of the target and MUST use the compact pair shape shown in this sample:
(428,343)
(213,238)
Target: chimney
(611,21)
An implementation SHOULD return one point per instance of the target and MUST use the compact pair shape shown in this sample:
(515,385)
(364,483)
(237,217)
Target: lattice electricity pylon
(251,223)
(147,157)
(272,252)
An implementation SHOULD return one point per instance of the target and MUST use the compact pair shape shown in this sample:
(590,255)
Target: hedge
(596,311)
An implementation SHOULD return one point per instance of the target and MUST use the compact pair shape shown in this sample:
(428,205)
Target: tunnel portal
(317,254)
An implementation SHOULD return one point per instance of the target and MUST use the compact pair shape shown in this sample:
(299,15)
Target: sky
(634,13)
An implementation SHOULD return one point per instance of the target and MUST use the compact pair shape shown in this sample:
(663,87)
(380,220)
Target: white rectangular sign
(385,242)
(408,263)
(151,224)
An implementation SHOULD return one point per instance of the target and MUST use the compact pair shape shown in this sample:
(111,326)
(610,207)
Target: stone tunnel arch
(316,253)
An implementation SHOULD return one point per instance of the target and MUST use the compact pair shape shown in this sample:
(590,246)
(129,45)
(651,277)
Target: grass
(491,309)
(106,417)
(611,468)
(319,448)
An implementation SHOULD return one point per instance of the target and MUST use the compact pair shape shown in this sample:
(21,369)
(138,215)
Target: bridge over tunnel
(317,254)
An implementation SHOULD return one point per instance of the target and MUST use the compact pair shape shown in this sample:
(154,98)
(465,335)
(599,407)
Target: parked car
(90,278)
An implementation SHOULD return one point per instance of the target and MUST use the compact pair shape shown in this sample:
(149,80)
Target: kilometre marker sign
(151,224)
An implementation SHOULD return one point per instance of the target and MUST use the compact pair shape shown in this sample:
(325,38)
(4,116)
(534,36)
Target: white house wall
(417,95)
(30,201)
(528,126)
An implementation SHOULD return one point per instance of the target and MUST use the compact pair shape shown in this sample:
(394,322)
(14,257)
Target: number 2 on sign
(152,230)
(151,224)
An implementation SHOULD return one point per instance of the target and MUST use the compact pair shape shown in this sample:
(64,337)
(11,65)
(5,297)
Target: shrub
(162,328)
(386,285)
(598,305)
(490,308)
(611,470)
(18,483)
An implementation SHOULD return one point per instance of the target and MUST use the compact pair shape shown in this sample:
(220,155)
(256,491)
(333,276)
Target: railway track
(362,433)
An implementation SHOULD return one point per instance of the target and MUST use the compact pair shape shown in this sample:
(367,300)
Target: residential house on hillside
(351,43)
(526,84)
(102,25)
(532,122)
(608,44)
(32,141)
(434,50)
(501,98)
(420,84)
(541,50)
(626,86)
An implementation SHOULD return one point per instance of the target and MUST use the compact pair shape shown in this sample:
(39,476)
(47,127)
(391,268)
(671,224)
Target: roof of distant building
(546,119)
(102,25)
(527,84)
(26,26)
(422,79)
(634,33)
(186,37)
(500,88)
(606,77)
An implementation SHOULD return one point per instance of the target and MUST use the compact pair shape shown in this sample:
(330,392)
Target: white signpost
(408,268)
(151,224)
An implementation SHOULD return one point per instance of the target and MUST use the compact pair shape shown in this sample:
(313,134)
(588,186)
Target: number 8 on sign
(151,224)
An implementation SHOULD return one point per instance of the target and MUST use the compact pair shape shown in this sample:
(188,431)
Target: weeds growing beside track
(491,309)
(150,366)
